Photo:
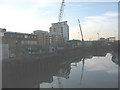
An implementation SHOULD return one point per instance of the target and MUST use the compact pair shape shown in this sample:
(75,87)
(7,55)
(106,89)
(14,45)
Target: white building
(60,28)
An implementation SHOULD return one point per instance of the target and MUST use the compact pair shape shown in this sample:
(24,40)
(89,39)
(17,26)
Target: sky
(96,16)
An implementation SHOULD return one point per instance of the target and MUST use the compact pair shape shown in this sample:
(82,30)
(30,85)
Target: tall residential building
(60,28)
(43,38)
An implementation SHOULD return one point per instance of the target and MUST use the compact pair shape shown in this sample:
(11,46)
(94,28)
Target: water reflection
(115,58)
(82,71)
(62,72)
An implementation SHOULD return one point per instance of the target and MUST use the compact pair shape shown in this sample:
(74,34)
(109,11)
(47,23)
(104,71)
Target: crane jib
(61,10)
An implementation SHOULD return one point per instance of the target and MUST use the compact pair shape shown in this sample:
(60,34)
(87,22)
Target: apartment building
(20,43)
(43,39)
(60,29)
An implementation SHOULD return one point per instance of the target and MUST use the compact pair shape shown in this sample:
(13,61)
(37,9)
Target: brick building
(20,43)
(43,39)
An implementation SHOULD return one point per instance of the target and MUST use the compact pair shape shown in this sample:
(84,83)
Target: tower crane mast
(81,31)
(61,10)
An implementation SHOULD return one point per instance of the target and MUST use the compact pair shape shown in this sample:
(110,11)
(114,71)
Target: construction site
(45,59)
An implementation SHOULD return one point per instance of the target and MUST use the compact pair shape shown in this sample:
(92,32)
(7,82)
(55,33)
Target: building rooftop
(60,22)
(19,33)
(2,30)
(41,31)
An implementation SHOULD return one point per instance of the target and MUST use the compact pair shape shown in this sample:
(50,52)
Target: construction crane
(98,36)
(81,31)
(61,10)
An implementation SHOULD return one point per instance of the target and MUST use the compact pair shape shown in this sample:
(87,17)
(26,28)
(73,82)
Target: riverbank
(66,53)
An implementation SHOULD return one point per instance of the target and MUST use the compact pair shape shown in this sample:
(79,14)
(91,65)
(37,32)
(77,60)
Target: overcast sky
(29,15)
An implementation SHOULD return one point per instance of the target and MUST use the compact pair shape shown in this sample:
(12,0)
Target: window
(54,29)
(26,36)
(29,37)
(22,42)
(32,36)
(16,41)
(2,34)
(50,29)
(29,48)
(11,35)
(29,42)
(21,36)
(17,36)
(35,37)
(61,29)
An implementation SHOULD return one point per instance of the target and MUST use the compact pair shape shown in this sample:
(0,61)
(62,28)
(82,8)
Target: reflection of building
(100,54)
(115,58)
(20,43)
(43,38)
(64,71)
(30,75)
(60,30)
(89,57)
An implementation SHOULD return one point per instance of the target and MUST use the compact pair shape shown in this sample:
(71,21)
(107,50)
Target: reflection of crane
(60,19)
(82,71)
(59,82)
(61,10)
(81,31)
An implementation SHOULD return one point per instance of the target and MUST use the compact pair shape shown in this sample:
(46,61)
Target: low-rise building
(20,43)
(111,39)
(78,43)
